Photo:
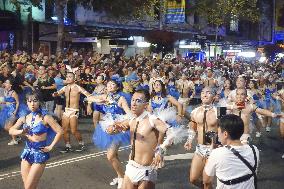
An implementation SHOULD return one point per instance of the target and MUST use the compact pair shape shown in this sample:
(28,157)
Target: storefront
(9,25)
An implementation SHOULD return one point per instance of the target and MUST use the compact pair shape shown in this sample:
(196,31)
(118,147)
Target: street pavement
(90,170)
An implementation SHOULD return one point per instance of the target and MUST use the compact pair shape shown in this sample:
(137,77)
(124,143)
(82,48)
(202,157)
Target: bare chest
(141,131)
(72,92)
(209,117)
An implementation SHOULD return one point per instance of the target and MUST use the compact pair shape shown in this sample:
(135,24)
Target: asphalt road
(89,169)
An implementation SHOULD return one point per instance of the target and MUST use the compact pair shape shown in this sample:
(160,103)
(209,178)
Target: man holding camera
(235,164)
(204,121)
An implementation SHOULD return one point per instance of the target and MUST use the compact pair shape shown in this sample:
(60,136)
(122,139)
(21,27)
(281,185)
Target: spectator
(234,164)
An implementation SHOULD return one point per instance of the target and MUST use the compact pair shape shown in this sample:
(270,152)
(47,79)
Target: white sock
(82,143)
(68,145)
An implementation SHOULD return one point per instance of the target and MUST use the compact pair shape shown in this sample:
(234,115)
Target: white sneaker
(268,129)
(12,142)
(119,184)
(114,182)
(257,134)
(282,156)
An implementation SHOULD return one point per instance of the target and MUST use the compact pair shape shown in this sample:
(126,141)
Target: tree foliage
(219,12)
(122,8)
(271,49)
(116,8)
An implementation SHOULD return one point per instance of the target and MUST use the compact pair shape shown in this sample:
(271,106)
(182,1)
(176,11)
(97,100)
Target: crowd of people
(142,101)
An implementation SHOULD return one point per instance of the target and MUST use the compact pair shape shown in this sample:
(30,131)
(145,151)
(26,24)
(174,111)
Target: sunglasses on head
(33,100)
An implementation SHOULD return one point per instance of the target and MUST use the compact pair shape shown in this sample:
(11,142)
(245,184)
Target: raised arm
(16,97)
(14,130)
(60,92)
(96,99)
(123,104)
(118,127)
(176,104)
(192,128)
(84,92)
(264,112)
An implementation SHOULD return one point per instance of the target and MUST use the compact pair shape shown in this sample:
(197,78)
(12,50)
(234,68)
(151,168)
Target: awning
(9,21)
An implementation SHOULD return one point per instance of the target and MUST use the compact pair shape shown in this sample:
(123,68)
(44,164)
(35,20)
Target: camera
(279,85)
(221,111)
(211,136)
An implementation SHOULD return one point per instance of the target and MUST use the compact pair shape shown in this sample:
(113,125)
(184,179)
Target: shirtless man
(70,116)
(240,84)
(204,121)
(244,109)
(146,154)
(209,81)
(184,86)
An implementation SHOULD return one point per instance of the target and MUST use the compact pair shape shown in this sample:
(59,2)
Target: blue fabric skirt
(104,141)
(98,107)
(6,114)
(33,154)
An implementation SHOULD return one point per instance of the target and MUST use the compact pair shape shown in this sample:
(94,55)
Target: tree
(163,39)
(115,8)
(221,12)
(271,50)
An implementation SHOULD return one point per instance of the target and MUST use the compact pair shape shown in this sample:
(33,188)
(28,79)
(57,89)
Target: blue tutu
(277,107)
(114,113)
(105,141)
(173,123)
(6,114)
(98,107)
(33,154)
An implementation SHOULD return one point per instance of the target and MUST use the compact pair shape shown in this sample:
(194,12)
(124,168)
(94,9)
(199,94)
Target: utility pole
(273,22)
(162,14)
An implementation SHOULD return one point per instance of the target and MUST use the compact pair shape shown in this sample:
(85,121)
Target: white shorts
(245,138)
(136,172)
(71,112)
(203,150)
(183,100)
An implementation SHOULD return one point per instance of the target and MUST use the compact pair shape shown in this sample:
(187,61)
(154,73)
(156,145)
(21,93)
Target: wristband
(191,135)
(273,115)
(159,151)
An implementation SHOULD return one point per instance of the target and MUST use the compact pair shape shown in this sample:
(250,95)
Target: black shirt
(46,94)
(87,78)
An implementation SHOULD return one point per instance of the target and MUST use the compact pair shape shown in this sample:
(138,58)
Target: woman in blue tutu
(97,108)
(269,102)
(144,83)
(10,111)
(171,86)
(256,96)
(38,128)
(224,93)
(280,97)
(198,86)
(114,106)
(159,104)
